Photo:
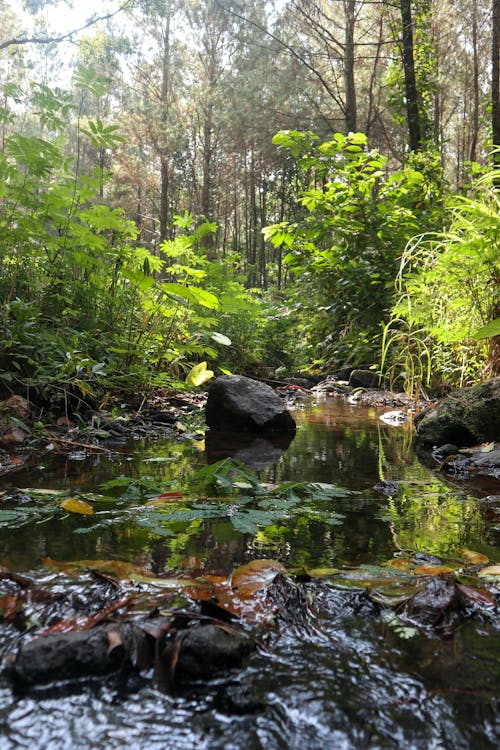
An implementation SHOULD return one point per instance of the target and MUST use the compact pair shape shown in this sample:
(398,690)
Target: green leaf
(199,375)
(489,330)
(220,338)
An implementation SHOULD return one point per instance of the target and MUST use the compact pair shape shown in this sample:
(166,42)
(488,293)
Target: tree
(412,99)
(495,77)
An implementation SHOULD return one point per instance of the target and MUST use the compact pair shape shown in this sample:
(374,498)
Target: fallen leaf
(476,558)
(114,639)
(321,572)
(399,563)
(74,505)
(432,570)
(255,576)
(480,596)
(491,571)
(65,422)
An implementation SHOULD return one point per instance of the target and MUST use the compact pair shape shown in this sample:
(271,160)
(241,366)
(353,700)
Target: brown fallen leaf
(490,571)
(476,558)
(432,570)
(255,576)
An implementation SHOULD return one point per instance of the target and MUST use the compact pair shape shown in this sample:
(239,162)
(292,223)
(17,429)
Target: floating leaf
(476,558)
(492,571)
(432,570)
(74,505)
(255,576)
(321,572)
(199,375)
(399,563)
(39,491)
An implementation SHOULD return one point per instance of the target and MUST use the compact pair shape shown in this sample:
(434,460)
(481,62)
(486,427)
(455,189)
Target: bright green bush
(344,250)
(447,290)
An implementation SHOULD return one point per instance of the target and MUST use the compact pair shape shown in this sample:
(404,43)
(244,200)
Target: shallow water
(351,681)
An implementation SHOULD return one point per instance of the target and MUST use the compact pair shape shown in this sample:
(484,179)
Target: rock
(442,451)
(68,656)
(236,403)
(209,649)
(14,436)
(465,417)
(18,407)
(365,379)
(436,604)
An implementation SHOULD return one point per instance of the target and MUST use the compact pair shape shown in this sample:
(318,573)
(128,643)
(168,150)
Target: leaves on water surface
(255,576)
(475,558)
(75,505)
(491,571)
(432,570)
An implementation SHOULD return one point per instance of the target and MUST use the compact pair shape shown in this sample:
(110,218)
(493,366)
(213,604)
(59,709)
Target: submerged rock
(67,656)
(236,403)
(209,649)
(465,417)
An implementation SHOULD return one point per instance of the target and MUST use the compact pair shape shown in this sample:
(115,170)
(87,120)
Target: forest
(193,187)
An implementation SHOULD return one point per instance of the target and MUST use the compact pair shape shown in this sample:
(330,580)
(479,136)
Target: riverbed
(355,677)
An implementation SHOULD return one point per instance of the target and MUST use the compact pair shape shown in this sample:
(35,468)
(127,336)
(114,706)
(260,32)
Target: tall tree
(495,76)
(411,93)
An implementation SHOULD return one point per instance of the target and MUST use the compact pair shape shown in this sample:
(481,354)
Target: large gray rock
(236,403)
(465,417)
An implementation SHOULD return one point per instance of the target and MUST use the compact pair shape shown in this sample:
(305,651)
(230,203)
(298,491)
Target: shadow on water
(352,681)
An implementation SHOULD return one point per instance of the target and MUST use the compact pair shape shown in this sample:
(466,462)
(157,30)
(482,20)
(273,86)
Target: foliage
(344,248)
(447,294)
(82,306)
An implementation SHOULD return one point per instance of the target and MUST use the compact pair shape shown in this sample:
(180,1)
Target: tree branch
(62,37)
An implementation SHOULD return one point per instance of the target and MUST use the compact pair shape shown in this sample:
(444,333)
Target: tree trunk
(349,82)
(412,108)
(475,84)
(495,78)
(165,102)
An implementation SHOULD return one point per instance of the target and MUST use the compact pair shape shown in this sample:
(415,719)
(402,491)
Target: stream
(355,679)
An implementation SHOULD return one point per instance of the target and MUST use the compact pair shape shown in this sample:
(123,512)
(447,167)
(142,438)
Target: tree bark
(349,82)
(495,78)
(412,108)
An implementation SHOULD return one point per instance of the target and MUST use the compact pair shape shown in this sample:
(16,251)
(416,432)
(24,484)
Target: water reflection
(255,451)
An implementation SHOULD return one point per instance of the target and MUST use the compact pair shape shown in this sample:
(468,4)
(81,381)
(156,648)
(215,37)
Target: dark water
(351,681)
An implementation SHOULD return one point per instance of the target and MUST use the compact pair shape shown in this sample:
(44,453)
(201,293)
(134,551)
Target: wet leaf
(321,572)
(118,568)
(399,563)
(74,505)
(10,605)
(255,576)
(476,558)
(478,596)
(432,570)
(41,491)
(404,631)
(394,594)
(115,639)
(492,571)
